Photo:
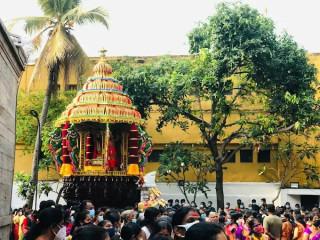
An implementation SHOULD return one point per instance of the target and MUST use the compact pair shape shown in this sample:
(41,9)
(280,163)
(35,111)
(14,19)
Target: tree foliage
(182,164)
(235,51)
(296,159)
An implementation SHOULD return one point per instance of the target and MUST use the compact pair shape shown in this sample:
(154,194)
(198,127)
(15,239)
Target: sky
(160,27)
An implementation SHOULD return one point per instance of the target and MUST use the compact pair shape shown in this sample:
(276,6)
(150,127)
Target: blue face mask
(91,212)
(134,220)
(116,230)
(72,219)
(203,216)
(111,232)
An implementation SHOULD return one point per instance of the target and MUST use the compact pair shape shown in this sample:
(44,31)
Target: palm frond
(33,24)
(70,4)
(80,16)
(57,46)
(36,41)
(54,8)
(48,7)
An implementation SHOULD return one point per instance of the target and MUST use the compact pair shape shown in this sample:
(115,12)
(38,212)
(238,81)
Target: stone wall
(12,63)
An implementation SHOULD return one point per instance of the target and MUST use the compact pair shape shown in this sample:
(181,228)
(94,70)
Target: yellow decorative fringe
(133,169)
(66,169)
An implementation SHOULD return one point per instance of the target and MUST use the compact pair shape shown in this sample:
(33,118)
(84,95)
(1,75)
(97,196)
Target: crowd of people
(178,220)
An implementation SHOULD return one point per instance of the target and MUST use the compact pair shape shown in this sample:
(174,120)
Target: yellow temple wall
(235,172)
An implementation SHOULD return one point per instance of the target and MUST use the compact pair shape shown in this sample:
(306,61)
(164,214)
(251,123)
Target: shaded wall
(12,63)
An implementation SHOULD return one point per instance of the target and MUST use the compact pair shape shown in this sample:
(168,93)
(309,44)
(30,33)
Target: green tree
(244,56)
(26,128)
(296,159)
(181,164)
(61,52)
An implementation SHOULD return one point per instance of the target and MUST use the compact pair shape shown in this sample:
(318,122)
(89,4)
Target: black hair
(103,222)
(80,217)
(83,205)
(166,218)
(316,223)
(112,216)
(203,231)
(49,217)
(129,230)
(246,215)
(160,225)
(222,220)
(235,216)
(251,224)
(180,214)
(97,212)
(90,232)
(150,215)
(160,237)
(162,210)
(271,208)
(223,213)
(300,219)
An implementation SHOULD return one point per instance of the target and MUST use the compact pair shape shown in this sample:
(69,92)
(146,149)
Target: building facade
(241,178)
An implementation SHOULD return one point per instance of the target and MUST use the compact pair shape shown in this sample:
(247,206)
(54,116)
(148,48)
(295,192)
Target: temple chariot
(99,146)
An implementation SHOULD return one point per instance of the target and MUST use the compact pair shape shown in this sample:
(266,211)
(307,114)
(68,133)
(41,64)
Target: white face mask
(187,226)
(61,234)
(100,218)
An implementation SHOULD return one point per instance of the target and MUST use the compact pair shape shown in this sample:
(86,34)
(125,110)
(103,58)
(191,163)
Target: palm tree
(61,53)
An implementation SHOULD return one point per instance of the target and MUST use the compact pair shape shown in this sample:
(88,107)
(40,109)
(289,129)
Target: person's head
(176,202)
(287,205)
(49,222)
(300,219)
(203,205)
(238,202)
(263,201)
(181,218)
(82,218)
(227,206)
(234,216)
(161,227)
(107,225)
(90,232)
(163,211)
(254,202)
(222,221)
(114,218)
(271,209)
(205,231)
(297,206)
(209,203)
(193,204)
(296,212)
(255,226)
(87,205)
(127,216)
(131,231)
(182,201)
(213,216)
(315,210)
(151,214)
(99,215)
(316,224)
(247,216)
(170,202)
(285,217)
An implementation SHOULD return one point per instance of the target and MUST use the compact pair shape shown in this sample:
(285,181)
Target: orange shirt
(287,231)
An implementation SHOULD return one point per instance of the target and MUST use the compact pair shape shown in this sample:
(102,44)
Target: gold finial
(102,53)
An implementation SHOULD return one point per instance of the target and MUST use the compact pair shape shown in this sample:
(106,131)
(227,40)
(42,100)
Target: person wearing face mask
(256,232)
(243,230)
(182,220)
(86,205)
(91,232)
(131,231)
(203,205)
(210,207)
(48,226)
(107,225)
(227,207)
(255,206)
(98,217)
(82,218)
(287,206)
(193,204)
(127,216)
(203,215)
